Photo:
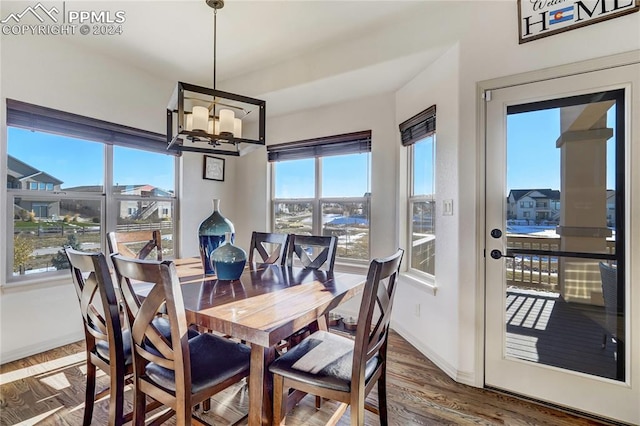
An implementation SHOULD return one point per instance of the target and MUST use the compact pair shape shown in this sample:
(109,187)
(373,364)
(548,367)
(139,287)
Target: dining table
(267,304)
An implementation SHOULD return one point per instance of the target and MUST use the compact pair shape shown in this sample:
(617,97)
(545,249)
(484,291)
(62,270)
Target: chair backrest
(98,305)
(609,278)
(377,302)
(136,244)
(271,247)
(314,252)
(149,344)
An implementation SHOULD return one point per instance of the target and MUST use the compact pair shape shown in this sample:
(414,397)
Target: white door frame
(633,203)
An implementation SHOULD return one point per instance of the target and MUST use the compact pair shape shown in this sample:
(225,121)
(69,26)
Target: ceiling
(293,53)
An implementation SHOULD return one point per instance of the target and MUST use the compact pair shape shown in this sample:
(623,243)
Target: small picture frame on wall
(213,168)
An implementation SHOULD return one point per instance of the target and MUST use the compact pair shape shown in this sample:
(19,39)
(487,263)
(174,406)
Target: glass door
(557,242)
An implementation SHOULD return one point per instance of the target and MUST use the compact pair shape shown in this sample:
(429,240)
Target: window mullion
(317,217)
(109,216)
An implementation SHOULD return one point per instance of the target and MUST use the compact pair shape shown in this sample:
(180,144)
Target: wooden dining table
(266,305)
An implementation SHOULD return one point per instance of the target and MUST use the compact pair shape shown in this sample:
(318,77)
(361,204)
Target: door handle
(497,254)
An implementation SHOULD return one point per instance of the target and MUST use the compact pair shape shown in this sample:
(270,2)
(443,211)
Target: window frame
(412,199)
(317,202)
(109,201)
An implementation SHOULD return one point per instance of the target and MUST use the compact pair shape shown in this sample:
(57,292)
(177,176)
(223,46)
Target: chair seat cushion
(102,348)
(213,360)
(324,360)
(163,326)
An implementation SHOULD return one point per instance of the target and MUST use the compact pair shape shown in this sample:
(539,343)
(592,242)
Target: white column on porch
(583,198)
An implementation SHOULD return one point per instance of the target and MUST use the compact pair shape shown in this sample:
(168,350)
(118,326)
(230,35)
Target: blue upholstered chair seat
(163,326)
(323,360)
(213,360)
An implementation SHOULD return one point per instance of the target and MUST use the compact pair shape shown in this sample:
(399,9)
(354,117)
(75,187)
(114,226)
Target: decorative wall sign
(213,168)
(541,18)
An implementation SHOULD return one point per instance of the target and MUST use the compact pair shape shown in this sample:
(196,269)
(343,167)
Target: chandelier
(200,119)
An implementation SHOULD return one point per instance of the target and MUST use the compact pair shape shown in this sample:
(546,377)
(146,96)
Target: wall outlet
(447,207)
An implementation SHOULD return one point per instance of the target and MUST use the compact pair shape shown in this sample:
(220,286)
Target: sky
(342,176)
(82,162)
(533,161)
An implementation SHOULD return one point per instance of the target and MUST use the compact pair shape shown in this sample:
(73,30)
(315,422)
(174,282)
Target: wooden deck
(543,328)
(48,389)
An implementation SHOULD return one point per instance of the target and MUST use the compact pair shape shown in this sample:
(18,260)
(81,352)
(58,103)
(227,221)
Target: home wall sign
(542,18)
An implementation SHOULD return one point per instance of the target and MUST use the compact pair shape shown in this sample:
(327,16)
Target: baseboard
(39,347)
(464,377)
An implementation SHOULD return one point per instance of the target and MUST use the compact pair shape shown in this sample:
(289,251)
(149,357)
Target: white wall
(436,328)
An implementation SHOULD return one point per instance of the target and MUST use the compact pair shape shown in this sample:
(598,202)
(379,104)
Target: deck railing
(536,272)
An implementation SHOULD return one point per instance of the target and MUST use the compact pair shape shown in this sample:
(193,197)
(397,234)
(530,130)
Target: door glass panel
(563,209)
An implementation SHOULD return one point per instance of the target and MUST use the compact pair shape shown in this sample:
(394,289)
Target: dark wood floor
(48,389)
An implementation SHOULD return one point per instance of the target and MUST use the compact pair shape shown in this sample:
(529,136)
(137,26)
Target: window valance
(35,117)
(349,143)
(418,127)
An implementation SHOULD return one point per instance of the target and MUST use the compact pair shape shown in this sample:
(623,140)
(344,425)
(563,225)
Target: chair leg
(139,407)
(357,407)
(116,400)
(279,400)
(382,398)
(206,405)
(89,394)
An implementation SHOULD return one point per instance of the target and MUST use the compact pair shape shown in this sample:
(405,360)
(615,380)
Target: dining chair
(176,371)
(107,348)
(337,367)
(270,246)
(125,243)
(312,251)
(609,278)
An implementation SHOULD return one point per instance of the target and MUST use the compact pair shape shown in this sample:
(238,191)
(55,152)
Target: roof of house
(552,194)
(21,170)
(122,189)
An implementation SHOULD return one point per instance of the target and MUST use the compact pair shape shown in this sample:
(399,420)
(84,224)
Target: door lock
(496,233)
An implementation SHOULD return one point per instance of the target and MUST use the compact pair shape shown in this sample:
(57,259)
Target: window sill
(35,283)
(352,267)
(421,283)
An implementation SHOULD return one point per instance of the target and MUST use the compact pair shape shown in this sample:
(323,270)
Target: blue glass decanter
(211,234)
(228,260)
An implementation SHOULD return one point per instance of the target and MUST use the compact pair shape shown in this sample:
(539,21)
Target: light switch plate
(447,207)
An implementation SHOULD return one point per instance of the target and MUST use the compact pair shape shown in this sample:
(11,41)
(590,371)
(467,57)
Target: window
(322,187)
(77,156)
(418,135)
(422,206)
